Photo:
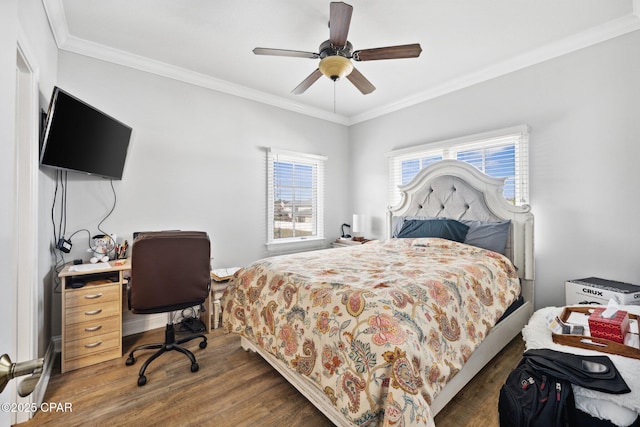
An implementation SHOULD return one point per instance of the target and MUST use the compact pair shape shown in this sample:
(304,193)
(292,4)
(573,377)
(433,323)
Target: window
(501,153)
(295,202)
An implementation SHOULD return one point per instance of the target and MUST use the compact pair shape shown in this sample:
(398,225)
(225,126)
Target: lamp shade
(356,225)
(335,67)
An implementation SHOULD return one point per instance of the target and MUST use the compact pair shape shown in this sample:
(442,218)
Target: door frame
(25,236)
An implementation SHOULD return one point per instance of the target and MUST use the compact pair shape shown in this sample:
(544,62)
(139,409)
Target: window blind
(295,196)
(500,153)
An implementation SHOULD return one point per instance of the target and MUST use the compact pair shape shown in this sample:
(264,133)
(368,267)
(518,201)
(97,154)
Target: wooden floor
(223,392)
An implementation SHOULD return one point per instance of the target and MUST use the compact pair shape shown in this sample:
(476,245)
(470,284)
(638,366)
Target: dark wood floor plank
(233,388)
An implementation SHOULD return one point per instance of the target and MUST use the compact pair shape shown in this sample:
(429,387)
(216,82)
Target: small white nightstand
(217,290)
(341,243)
(212,304)
(220,279)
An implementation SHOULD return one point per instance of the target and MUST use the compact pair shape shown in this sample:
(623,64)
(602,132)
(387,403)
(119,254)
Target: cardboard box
(593,290)
(613,328)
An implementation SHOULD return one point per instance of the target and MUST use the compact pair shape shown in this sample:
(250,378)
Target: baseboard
(36,397)
(57,343)
(140,323)
(47,367)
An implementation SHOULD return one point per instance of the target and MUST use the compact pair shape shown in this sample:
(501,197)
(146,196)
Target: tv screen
(80,138)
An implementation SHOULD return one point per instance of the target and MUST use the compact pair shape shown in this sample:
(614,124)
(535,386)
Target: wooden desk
(91,314)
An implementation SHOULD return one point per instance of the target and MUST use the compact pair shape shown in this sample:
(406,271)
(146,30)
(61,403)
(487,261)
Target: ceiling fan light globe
(335,67)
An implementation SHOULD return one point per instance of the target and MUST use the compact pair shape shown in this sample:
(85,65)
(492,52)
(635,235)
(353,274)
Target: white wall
(196,160)
(584,113)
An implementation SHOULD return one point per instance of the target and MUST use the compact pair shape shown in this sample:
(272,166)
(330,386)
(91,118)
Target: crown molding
(116,56)
(598,34)
(54,10)
(57,21)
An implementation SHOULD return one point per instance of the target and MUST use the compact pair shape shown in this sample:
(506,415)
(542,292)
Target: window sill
(283,244)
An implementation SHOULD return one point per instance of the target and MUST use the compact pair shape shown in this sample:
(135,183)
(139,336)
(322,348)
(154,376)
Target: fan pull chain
(334,96)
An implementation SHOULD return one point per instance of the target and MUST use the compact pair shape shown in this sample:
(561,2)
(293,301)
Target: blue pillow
(488,235)
(449,229)
(398,221)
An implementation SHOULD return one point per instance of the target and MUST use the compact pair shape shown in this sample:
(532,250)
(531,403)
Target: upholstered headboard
(457,190)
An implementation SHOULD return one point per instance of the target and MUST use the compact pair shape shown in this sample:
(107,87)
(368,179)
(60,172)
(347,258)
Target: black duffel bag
(538,391)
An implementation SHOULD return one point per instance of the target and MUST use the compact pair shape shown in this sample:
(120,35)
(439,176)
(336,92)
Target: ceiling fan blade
(361,82)
(390,52)
(339,21)
(285,52)
(306,83)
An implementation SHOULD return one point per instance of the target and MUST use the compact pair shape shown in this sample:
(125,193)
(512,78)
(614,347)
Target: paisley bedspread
(379,327)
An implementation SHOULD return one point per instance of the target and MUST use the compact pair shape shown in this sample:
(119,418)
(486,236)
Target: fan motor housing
(328,49)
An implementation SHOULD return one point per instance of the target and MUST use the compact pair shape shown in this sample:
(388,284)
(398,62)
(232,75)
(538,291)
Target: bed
(388,332)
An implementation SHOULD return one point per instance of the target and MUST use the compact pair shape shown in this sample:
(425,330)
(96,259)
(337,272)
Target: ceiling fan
(336,53)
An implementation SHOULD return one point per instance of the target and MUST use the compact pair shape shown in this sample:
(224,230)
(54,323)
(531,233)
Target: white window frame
(448,149)
(318,164)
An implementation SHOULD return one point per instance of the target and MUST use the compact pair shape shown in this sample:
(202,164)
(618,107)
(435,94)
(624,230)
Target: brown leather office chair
(170,271)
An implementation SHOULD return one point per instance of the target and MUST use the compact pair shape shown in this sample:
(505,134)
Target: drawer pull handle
(94,296)
(95,344)
(93,329)
(91,313)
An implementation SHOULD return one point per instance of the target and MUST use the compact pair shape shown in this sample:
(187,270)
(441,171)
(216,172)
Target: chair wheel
(142,380)
(130,360)
(194,367)
(203,344)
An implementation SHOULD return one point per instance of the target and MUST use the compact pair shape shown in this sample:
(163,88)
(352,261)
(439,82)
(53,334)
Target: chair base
(169,344)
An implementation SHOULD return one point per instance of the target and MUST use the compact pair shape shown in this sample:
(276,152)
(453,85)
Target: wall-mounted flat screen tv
(79,138)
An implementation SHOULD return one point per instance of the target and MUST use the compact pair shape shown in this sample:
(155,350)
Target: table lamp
(357,224)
